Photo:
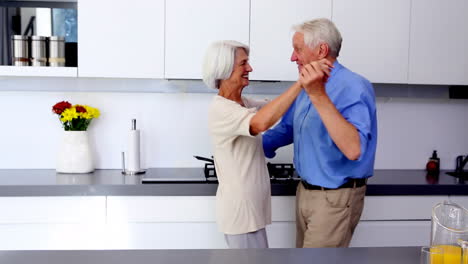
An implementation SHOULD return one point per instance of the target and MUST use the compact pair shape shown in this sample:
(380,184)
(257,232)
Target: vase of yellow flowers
(74,155)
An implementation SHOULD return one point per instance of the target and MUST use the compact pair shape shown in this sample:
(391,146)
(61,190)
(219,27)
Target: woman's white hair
(318,31)
(219,61)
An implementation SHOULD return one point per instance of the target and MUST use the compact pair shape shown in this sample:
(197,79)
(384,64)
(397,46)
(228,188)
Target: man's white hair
(319,31)
(219,61)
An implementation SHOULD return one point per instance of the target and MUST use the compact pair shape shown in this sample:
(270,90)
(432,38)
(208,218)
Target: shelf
(24,71)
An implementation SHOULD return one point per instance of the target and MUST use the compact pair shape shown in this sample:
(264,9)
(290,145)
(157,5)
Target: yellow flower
(69,114)
(91,112)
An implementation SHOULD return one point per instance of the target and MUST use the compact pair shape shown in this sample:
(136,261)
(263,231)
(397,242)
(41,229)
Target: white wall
(174,128)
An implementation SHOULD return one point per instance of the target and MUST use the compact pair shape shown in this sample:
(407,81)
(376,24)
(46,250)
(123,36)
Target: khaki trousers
(327,218)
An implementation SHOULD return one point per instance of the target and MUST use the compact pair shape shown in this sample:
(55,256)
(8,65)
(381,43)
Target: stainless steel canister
(56,51)
(20,53)
(38,51)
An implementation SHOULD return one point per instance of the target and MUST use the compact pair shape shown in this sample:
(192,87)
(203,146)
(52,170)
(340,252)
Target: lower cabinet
(40,223)
(184,222)
(189,222)
(392,234)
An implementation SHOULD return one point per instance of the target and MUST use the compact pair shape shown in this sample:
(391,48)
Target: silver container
(38,51)
(20,52)
(56,51)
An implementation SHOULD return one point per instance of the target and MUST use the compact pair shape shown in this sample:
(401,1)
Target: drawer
(52,209)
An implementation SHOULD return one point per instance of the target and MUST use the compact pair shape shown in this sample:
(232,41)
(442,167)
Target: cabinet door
(117,38)
(375,38)
(439,41)
(271,35)
(391,234)
(191,26)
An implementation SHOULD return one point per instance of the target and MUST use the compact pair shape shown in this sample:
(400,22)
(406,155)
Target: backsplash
(174,128)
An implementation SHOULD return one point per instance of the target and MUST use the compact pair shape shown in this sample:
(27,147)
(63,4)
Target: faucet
(461,163)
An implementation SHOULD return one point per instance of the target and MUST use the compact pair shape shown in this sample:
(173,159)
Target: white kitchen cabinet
(439,41)
(52,210)
(163,222)
(402,207)
(191,26)
(29,71)
(392,234)
(461,200)
(167,209)
(57,222)
(188,222)
(271,35)
(375,38)
(118,39)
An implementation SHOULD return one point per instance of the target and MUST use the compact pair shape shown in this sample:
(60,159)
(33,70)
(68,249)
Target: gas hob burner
(280,171)
(277,171)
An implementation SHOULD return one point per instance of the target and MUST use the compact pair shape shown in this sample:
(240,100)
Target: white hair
(318,31)
(219,61)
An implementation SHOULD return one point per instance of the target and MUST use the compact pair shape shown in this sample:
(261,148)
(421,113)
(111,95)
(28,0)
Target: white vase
(74,154)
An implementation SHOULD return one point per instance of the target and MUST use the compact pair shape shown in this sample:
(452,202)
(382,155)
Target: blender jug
(449,230)
(464,246)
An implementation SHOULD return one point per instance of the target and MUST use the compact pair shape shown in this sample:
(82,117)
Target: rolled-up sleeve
(279,136)
(358,113)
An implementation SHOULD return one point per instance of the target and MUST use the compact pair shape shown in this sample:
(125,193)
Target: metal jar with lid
(38,51)
(20,52)
(56,51)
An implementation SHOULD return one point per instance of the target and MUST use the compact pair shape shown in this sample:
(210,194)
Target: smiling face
(241,69)
(302,54)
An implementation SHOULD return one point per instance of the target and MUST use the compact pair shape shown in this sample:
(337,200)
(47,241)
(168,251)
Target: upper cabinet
(375,38)
(121,39)
(439,42)
(386,41)
(271,35)
(191,26)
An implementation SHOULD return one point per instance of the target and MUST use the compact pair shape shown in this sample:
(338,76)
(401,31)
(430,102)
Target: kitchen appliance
(20,52)
(277,171)
(449,230)
(56,51)
(38,51)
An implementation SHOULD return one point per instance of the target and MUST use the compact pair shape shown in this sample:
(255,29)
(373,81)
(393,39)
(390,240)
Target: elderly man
(334,129)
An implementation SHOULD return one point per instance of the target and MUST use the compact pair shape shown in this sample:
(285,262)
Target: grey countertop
(400,255)
(29,182)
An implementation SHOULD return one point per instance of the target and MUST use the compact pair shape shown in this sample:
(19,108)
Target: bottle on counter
(433,165)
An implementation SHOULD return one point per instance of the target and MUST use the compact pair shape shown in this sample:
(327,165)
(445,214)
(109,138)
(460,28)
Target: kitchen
(414,110)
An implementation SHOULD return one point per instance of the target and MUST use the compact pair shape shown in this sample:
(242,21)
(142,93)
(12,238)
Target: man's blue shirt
(316,157)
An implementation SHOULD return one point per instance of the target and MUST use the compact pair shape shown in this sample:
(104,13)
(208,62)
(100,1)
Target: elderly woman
(243,200)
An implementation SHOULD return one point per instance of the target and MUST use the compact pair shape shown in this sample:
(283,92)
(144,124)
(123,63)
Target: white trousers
(257,239)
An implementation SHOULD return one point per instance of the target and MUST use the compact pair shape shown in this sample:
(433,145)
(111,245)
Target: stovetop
(279,173)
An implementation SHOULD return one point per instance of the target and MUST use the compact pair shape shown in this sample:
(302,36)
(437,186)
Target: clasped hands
(314,75)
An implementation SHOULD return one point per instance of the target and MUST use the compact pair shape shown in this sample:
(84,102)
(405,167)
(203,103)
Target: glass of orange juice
(432,255)
(452,254)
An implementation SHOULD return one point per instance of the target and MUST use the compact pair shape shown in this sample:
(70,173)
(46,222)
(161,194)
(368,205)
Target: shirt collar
(336,67)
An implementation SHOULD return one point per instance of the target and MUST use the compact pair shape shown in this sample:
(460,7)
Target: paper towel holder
(127,172)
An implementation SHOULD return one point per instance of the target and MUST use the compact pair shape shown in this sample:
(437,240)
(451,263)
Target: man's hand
(314,75)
